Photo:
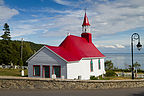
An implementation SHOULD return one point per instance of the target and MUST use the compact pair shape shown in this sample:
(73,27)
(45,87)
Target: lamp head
(139,46)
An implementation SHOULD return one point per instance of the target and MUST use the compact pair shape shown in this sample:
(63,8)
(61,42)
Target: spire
(85,25)
(86,30)
(85,21)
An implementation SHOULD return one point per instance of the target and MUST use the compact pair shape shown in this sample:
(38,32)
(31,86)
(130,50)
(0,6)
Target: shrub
(110,73)
(93,78)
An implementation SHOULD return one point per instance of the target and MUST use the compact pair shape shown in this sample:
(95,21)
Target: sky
(49,21)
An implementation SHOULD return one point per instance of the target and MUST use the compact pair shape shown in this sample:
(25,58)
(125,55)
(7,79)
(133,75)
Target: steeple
(85,22)
(85,25)
(86,30)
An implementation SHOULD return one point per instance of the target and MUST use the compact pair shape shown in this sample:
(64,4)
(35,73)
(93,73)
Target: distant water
(122,60)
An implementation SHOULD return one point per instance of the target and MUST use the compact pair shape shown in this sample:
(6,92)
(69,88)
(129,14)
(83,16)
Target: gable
(44,55)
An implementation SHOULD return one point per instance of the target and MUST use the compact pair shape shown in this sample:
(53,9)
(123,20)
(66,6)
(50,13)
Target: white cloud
(22,29)
(63,2)
(105,18)
(6,13)
(106,46)
(29,21)
(117,17)
(34,15)
(111,46)
(119,46)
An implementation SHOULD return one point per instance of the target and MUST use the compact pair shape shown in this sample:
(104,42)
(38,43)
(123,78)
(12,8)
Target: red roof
(85,22)
(74,48)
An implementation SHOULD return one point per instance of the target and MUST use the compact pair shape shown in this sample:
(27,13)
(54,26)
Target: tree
(6,35)
(10,52)
(108,65)
(20,62)
(136,66)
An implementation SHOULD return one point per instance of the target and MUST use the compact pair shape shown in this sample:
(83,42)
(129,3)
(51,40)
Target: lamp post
(135,36)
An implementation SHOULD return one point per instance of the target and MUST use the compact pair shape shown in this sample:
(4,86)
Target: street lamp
(135,36)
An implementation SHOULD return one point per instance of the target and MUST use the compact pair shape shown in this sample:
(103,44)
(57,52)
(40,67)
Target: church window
(91,65)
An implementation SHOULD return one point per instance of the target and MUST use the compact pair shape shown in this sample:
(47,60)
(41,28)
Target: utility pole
(21,49)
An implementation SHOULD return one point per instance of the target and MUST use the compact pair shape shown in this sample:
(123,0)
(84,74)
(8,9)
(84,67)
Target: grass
(12,72)
(17,72)
(110,78)
(118,78)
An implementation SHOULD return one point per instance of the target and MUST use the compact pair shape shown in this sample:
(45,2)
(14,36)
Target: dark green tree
(108,65)
(10,52)
(6,35)
(27,52)
(20,62)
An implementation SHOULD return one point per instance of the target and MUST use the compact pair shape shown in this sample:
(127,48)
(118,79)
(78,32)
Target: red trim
(44,71)
(53,70)
(39,70)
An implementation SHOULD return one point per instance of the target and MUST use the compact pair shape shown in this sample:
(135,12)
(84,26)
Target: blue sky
(48,21)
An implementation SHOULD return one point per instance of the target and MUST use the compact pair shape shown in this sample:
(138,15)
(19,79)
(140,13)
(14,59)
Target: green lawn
(12,72)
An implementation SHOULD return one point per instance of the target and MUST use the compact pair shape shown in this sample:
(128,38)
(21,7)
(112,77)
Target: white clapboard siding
(82,68)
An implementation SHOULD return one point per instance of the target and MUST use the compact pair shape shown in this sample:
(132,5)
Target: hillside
(10,51)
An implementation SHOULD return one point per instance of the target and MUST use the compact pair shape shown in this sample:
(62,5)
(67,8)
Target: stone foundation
(43,83)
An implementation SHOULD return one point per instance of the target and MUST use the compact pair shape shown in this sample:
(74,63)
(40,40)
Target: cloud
(111,46)
(119,46)
(29,21)
(1,2)
(6,13)
(22,29)
(105,18)
(117,17)
(63,2)
(106,46)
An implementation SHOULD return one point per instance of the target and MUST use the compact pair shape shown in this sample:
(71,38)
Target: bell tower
(86,29)
(85,25)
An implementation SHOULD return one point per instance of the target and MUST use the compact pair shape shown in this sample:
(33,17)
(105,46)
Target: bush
(93,78)
(110,73)
(97,78)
